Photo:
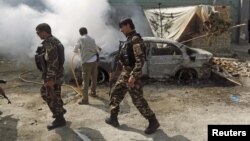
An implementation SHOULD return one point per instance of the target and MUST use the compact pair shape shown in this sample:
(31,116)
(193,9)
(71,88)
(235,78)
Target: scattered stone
(34,122)
(20,104)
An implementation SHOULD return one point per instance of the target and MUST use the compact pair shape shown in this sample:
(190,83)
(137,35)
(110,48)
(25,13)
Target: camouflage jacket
(137,45)
(54,70)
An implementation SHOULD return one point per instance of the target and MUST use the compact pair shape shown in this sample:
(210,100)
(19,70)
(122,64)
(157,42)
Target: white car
(166,58)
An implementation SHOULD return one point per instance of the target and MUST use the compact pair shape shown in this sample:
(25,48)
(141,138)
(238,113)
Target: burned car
(165,59)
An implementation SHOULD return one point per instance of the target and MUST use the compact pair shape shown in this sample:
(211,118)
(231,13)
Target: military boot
(64,112)
(112,120)
(84,101)
(92,94)
(58,122)
(153,125)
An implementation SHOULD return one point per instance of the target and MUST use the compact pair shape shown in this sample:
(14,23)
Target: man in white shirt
(89,55)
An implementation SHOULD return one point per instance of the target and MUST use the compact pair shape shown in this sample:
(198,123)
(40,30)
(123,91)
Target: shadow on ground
(92,134)
(8,128)
(159,135)
(68,134)
(124,106)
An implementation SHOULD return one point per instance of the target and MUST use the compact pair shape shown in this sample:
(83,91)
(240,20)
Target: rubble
(231,67)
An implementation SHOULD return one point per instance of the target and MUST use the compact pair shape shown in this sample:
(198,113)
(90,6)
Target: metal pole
(239,20)
(160,19)
(214,2)
(248,21)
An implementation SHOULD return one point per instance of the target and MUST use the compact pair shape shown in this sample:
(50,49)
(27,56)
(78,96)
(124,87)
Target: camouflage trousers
(119,91)
(52,96)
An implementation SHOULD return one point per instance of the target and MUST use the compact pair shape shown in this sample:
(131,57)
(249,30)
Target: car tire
(186,76)
(102,76)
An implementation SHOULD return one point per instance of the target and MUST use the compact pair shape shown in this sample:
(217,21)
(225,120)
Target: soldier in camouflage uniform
(52,55)
(132,60)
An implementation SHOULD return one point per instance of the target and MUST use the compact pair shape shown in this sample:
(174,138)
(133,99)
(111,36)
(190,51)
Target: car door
(164,60)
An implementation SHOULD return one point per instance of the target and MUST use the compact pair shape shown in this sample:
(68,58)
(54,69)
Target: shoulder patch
(136,39)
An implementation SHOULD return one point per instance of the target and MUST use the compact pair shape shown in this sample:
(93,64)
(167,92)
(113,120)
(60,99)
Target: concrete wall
(245,15)
(219,45)
(240,13)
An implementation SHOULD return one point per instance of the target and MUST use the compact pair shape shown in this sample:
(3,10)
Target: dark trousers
(52,96)
(119,91)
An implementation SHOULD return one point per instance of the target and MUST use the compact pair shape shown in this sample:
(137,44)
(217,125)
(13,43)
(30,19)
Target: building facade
(239,10)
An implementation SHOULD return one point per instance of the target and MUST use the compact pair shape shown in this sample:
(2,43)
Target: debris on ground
(231,67)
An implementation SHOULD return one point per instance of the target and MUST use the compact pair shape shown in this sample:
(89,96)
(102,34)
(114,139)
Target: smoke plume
(20,17)
(65,17)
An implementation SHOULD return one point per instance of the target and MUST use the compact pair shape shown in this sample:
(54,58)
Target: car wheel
(101,77)
(186,76)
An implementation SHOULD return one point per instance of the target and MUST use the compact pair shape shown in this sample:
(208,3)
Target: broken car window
(165,49)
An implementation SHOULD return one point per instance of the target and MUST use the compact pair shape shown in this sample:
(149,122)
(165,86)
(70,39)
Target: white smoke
(131,9)
(17,25)
(19,19)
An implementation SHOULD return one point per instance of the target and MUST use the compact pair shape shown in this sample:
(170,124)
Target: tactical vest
(40,55)
(127,56)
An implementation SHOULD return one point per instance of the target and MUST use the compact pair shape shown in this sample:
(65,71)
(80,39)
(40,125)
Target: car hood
(202,52)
